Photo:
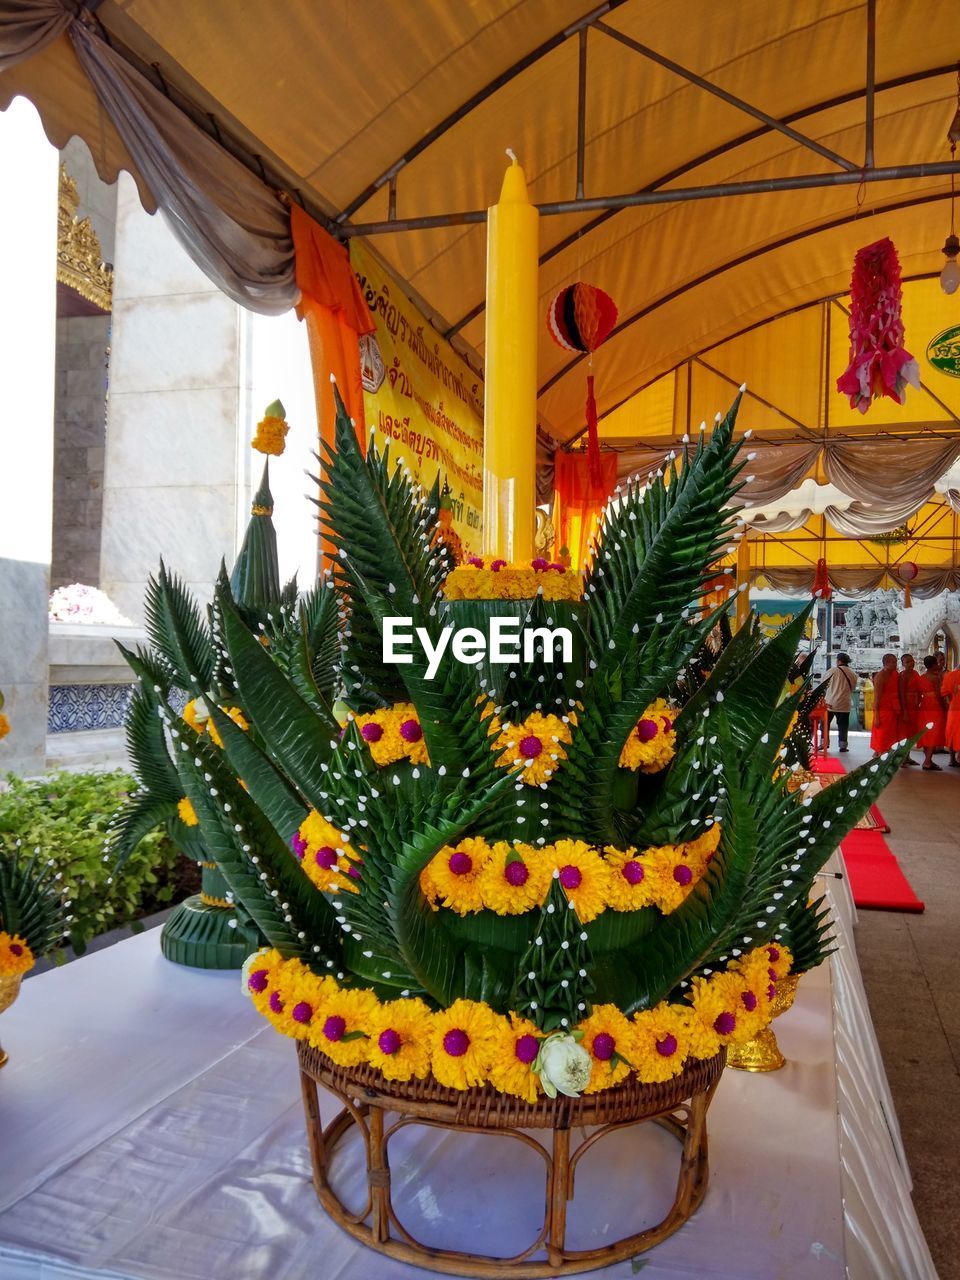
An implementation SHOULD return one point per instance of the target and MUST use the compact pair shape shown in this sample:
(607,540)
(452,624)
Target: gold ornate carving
(80,264)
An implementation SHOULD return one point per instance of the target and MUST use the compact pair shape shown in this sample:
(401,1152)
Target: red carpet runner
(876,881)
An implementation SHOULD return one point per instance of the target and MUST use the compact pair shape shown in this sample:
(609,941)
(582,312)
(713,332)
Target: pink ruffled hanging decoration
(879,363)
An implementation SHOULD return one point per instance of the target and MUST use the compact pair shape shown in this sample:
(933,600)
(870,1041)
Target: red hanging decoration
(879,364)
(579,318)
(821,582)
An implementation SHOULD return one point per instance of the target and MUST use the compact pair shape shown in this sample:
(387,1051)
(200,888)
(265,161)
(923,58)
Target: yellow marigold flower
(606,1037)
(4,725)
(341,1026)
(463,1043)
(514,879)
(779,958)
(759,975)
(672,878)
(653,741)
(583,875)
(394,733)
(698,854)
(534,747)
(186,813)
(719,1007)
(399,1044)
(236,715)
(293,994)
(196,715)
(326,855)
(271,435)
(452,877)
(704,1041)
(15,955)
(660,1042)
(629,886)
(517,1045)
(260,977)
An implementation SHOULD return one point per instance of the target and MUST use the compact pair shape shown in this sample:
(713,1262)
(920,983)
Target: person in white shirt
(841,681)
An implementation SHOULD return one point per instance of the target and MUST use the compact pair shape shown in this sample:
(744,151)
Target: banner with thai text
(422,398)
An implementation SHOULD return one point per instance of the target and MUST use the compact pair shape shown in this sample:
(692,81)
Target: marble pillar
(177,469)
(28,232)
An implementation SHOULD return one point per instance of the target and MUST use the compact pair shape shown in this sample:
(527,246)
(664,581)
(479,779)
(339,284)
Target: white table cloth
(150,1129)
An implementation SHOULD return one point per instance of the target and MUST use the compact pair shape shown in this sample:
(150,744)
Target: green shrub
(65,815)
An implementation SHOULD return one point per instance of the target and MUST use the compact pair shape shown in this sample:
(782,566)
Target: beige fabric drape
(231,224)
(890,471)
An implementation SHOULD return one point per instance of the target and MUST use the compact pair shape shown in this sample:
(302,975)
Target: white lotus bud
(563,1066)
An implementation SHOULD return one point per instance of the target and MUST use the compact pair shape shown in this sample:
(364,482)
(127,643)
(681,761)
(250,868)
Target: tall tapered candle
(510,380)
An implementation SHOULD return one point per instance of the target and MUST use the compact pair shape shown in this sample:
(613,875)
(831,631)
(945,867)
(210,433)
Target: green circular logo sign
(943,351)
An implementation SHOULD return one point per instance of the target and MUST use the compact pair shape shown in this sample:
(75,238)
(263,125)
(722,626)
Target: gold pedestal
(9,990)
(762,1053)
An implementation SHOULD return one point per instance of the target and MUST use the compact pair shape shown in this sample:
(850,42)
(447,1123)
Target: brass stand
(762,1053)
(679,1106)
(9,990)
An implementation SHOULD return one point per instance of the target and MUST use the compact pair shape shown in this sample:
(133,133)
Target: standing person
(910,695)
(886,705)
(841,682)
(931,711)
(941,657)
(950,691)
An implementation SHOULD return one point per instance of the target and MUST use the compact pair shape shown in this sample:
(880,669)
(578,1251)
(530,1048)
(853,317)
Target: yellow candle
(510,384)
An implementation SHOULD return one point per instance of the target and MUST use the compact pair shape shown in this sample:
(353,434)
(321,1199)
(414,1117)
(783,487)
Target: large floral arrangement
(89,605)
(534,876)
(32,913)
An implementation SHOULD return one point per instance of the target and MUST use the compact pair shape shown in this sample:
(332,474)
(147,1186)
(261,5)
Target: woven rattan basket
(678,1105)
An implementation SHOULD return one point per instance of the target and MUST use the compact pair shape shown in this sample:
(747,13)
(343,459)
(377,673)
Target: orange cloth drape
(579,501)
(336,316)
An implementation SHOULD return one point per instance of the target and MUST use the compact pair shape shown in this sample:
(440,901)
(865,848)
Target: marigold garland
(653,740)
(468,1044)
(513,879)
(325,854)
(16,958)
(497,580)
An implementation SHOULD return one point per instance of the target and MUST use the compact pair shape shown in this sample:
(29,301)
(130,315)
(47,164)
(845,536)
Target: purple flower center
(773,954)
(772,975)
(276,1004)
(560,568)
(302,1012)
(475,561)
(771,990)
(353,871)
(456,1042)
(326,857)
(530,747)
(497,565)
(749,1001)
(461,864)
(667,723)
(725,1024)
(632,872)
(410,731)
(516,874)
(604,1046)
(527,1048)
(540,565)
(389,1041)
(256,982)
(647,729)
(682,874)
(667,1047)
(571,877)
(298,844)
(372,732)
(17,950)
(334,1027)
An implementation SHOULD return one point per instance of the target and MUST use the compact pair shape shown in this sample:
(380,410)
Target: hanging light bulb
(950,275)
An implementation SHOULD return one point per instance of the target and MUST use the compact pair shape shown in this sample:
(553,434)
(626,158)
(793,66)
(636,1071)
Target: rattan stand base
(679,1106)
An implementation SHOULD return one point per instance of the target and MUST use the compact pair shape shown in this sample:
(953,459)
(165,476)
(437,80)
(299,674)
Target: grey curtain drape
(231,224)
(890,471)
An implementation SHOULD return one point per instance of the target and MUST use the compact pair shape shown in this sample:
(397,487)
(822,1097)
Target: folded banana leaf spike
(256,575)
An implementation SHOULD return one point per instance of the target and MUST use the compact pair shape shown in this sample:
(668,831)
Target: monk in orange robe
(931,712)
(950,690)
(886,705)
(910,695)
